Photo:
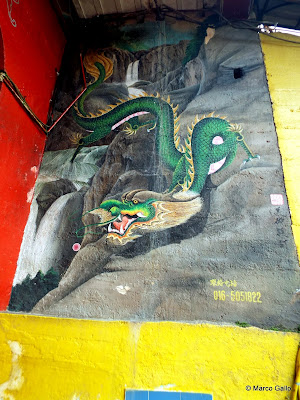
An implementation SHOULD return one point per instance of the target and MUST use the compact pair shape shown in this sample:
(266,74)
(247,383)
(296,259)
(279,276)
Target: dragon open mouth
(123,222)
(140,212)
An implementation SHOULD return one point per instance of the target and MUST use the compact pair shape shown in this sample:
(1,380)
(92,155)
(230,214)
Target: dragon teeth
(140,214)
(119,218)
(109,229)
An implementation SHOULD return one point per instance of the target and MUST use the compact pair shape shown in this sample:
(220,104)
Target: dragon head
(142,211)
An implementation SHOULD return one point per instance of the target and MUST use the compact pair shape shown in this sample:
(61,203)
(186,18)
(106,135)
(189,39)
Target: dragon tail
(90,62)
(76,152)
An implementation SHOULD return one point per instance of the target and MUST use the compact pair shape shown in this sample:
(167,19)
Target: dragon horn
(143,195)
(129,195)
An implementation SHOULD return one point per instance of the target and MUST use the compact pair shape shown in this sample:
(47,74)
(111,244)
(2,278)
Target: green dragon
(210,146)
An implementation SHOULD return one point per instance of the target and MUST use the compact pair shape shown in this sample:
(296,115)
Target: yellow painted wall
(62,359)
(57,359)
(282,61)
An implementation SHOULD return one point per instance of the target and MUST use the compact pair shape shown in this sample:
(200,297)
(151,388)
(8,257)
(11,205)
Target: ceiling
(92,8)
(77,14)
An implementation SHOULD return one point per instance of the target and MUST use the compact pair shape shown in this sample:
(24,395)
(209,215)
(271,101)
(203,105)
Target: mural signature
(10,4)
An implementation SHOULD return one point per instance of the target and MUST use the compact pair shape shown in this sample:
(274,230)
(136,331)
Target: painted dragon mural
(209,146)
(148,205)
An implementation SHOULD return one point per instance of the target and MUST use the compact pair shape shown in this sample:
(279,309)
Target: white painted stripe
(128,118)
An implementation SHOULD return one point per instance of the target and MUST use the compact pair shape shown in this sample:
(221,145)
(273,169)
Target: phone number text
(238,296)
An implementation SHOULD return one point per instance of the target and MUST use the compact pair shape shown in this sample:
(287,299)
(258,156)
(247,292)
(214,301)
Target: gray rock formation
(121,59)
(173,282)
(57,165)
(56,211)
(158,62)
(49,245)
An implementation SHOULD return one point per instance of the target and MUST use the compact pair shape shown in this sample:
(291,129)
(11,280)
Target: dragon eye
(135,201)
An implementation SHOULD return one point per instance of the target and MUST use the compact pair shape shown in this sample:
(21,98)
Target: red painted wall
(33,45)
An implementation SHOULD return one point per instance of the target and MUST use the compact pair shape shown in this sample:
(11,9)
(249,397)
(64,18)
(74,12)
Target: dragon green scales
(210,146)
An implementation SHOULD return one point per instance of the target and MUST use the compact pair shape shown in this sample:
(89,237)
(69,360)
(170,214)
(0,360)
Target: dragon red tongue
(122,224)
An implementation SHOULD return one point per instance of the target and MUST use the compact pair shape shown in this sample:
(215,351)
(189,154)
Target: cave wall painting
(154,196)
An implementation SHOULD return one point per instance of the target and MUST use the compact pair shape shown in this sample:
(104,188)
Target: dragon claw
(129,130)
(75,138)
(249,159)
(151,129)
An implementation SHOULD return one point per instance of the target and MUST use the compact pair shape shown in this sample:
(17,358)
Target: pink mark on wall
(277,199)
(76,246)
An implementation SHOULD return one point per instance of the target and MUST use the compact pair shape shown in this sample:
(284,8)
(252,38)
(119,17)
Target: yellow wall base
(64,359)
